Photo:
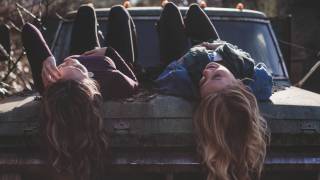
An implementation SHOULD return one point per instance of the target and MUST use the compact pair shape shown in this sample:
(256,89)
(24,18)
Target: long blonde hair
(232,135)
(73,126)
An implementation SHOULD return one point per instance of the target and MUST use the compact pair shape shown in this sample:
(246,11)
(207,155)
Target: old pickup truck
(152,134)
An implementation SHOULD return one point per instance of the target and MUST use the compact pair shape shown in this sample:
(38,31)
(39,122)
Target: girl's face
(73,69)
(215,77)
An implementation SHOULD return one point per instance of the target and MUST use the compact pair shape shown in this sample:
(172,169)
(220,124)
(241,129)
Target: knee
(85,11)
(194,8)
(170,8)
(28,32)
(119,11)
(27,28)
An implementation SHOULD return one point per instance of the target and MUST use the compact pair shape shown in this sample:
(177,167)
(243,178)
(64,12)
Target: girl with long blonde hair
(231,134)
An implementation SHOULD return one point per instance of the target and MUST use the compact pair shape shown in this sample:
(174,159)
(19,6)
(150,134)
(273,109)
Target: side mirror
(4,42)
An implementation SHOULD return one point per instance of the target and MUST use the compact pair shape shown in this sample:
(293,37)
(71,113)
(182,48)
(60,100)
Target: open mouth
(212,65)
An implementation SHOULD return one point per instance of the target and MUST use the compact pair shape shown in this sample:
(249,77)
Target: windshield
(253,38)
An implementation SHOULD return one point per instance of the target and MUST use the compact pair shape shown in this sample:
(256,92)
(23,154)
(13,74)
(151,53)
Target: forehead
(70,72)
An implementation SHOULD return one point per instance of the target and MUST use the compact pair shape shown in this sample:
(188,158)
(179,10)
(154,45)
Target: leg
(172,37)
(37,51)
(134,40)
(198,25)
(84,32)
(121,65)
(121,34)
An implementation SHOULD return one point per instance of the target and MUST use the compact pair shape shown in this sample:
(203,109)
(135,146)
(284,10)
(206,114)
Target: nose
(206,73)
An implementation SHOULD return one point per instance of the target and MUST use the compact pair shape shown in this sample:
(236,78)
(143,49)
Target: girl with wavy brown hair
(73,92)
(77,142)
(231,133)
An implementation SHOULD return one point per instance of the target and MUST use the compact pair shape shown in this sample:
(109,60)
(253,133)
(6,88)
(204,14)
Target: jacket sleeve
(237,61)
(261,84)
(37,51)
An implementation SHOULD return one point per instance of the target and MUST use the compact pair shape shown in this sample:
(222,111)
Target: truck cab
(152,134)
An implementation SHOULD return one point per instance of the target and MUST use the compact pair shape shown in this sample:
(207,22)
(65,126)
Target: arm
(40,58)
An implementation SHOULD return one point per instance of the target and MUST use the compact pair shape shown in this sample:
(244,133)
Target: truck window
(148,45)
(254,38)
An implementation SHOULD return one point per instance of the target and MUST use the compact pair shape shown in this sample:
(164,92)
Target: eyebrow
(79,66)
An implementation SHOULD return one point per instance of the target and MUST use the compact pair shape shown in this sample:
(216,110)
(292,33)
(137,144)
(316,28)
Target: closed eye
(79,67)
(216,76)
(202,81)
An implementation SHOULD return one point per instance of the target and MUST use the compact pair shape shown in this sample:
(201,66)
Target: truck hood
(294,96)
(292,103)
(293,111)
(290,111)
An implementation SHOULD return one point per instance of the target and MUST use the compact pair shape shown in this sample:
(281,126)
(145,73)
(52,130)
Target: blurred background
(300,38)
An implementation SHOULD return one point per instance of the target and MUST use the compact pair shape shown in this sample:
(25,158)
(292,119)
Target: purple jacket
(115,77)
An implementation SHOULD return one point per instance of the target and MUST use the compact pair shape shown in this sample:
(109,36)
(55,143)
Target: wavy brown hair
(77,141)
(232,135)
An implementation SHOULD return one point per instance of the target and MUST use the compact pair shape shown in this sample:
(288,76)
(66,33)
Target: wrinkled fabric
(115,78)
(181,77)
(174,80)
(239,63)
(195,61)
(261,84)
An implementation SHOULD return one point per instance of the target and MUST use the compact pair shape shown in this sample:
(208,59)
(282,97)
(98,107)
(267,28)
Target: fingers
(204,43)
(46,78)
(50,72)
(211,46)
(53,71)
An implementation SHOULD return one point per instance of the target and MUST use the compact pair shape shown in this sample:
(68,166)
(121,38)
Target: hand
(50,72)
(211,46)
(96,52)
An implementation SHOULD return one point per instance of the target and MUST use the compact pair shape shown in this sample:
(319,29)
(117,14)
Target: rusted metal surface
(148,120)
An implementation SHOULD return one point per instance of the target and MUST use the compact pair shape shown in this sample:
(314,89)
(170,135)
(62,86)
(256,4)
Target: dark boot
(198,26)
(172,36)
(121,34)
(84,32)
